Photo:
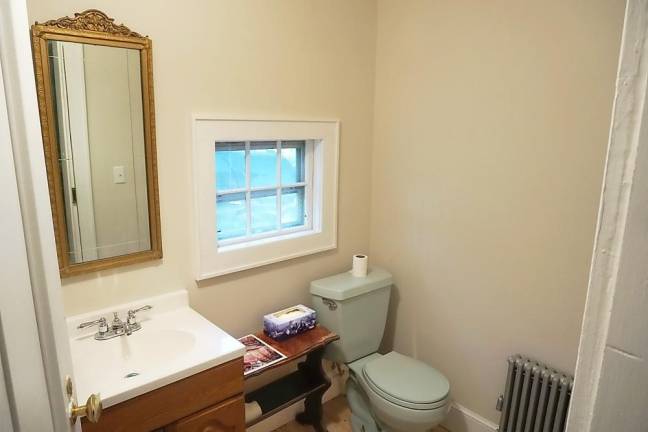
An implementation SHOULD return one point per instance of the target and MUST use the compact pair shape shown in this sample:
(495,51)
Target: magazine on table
(258,354)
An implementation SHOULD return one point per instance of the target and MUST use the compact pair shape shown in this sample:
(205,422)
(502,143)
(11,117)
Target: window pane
(292,207)
(231,216)
(264,211)
(263,164)
(292,161)
(230,165)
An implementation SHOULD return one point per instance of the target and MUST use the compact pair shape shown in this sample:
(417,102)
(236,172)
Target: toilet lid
(407,382)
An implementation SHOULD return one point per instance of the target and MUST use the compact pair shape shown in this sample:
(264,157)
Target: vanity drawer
(166,405)
(228,416)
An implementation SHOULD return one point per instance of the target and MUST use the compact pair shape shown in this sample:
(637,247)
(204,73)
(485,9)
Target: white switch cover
(119,175)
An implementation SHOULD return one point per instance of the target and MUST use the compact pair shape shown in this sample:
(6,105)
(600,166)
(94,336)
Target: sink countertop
(175,342)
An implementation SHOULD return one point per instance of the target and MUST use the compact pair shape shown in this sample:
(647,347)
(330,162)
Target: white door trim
(628,118)
(79,142)
(73,142)
(5,409)
(24,123)
(23,377)
(67,154)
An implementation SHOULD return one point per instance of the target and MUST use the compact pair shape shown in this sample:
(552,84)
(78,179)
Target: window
(262,189)
(265,191)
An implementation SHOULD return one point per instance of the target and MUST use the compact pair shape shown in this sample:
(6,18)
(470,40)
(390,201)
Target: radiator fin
(536,397)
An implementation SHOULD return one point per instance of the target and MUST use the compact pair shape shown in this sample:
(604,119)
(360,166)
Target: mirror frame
(94,27)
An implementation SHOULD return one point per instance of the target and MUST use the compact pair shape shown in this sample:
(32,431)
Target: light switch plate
(119,175)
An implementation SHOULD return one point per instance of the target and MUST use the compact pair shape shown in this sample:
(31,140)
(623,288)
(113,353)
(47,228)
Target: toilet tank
(356,309)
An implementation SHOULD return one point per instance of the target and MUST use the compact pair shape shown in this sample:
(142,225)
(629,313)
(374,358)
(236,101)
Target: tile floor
(336,419)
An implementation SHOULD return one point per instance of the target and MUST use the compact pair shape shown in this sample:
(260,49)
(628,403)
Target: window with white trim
(263,189)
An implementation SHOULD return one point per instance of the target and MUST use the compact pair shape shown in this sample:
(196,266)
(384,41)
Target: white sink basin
(145,352)
(175,342)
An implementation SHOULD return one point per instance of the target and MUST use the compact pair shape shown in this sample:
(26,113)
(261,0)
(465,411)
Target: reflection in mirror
(97,103)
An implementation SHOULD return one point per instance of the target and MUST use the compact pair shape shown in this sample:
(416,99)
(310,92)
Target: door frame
(623,164)
(23,375)
(42,283)
(73,143)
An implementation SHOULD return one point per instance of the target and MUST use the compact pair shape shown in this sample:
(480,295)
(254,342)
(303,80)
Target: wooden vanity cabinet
(224,417)
(209,401)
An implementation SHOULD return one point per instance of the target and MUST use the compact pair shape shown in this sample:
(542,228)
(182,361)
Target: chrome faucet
(120,327)
(117,327)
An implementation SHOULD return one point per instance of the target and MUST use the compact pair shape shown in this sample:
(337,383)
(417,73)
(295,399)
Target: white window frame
(214,258)
(307,184)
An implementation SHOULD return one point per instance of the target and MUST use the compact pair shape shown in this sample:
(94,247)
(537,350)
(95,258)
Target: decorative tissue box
(289,322)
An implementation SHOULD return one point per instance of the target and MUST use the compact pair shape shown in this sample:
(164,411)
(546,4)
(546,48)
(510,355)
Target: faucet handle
(131,313)
(101,322)
(140,309)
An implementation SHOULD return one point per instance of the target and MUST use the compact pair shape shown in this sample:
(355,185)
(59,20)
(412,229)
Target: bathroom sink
(144,351)
(174,342)
(137,354)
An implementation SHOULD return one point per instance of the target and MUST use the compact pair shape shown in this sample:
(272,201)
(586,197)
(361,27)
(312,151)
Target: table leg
(312,414)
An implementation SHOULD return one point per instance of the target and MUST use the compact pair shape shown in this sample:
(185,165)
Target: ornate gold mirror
(95,92)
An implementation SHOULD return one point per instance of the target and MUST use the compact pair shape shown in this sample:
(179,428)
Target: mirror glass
(99,123)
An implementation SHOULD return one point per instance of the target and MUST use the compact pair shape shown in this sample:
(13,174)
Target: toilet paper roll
(252,411)
(359,268)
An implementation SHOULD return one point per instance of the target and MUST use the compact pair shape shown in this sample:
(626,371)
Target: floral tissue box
(289,322)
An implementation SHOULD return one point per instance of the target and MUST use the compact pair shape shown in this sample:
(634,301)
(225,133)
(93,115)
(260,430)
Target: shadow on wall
(392,318)
(259,291)
(263,270)
(456,422)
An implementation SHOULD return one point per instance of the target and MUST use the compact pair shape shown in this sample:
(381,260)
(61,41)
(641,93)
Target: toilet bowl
(399,393)
(391,392)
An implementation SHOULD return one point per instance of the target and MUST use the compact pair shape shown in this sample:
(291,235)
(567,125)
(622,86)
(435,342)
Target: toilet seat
(406,382)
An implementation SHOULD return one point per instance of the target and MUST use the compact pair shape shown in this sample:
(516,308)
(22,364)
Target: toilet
(390,392)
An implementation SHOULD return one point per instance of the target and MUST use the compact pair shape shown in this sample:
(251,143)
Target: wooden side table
(308,382)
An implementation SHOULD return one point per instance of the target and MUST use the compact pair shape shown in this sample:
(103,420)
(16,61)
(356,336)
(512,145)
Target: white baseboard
(461,419)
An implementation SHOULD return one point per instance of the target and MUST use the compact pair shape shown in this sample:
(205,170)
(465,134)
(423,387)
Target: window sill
(273,260)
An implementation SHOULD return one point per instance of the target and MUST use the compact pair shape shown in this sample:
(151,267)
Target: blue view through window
(292,207)
(230,166)
(260,188)
(232,216)
(263,164)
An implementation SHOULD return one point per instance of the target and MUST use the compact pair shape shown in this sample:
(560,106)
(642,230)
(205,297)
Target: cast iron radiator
(536,397)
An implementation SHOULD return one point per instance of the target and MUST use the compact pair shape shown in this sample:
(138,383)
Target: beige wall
(286,59)
(491,126)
